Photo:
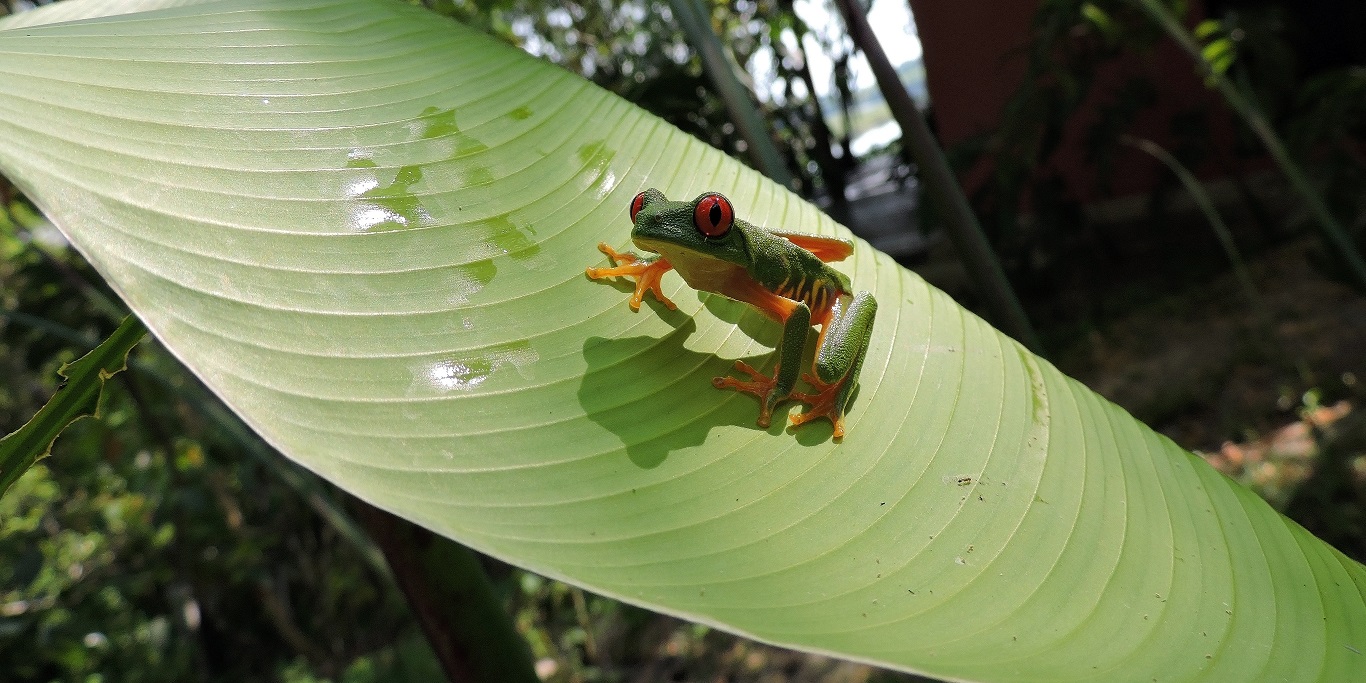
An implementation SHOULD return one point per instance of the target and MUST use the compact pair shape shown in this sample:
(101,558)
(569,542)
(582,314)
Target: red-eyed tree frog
(783,274)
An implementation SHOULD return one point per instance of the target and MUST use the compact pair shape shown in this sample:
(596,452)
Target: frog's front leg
(647,273)
(844,339)
(773,390)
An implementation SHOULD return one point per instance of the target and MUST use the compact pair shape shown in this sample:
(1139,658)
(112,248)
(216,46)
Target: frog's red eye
(713,215)
(636,205)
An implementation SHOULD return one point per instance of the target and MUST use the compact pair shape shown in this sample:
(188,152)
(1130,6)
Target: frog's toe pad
(823,403)
(815,412)
(618,257)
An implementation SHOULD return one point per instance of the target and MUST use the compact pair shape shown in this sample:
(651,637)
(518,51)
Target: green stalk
(693,18)
(1330,227)
(77,397)
(964,230)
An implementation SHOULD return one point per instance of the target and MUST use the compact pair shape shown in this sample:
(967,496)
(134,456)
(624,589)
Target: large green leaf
(366,229)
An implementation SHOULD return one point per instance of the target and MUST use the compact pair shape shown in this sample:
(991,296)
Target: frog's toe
(818,411)
(762,387)
(825,402)
(618,257)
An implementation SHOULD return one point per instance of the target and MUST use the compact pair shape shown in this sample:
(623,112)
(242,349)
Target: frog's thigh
(844,339)
(795,328)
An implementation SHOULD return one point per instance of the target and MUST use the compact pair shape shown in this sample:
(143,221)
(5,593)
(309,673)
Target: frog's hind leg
(773,390)
(843,343)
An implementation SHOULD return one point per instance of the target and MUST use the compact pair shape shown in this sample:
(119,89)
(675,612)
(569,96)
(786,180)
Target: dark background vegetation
(165,543)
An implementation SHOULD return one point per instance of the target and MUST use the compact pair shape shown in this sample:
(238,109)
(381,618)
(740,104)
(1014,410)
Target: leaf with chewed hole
(366,228)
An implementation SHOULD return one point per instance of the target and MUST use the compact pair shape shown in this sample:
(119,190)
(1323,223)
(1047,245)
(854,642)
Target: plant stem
(964,230)
(453,600)
(696,23)
(77,397)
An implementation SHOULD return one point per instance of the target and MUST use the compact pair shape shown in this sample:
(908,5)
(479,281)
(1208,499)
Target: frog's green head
(703,227)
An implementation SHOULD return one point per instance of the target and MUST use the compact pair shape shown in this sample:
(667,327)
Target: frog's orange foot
(822,404)
(762,387)
(647,274)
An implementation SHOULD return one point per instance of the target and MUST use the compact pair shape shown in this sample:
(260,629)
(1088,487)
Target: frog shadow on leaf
(656,395)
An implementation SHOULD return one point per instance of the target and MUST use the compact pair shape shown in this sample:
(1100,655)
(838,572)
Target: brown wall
(975,58)
(969,67)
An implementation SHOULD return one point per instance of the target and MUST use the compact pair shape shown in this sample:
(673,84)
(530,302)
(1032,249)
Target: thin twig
(1261,312)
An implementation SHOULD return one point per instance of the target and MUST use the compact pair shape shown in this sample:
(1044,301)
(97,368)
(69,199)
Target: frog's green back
(781,266)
